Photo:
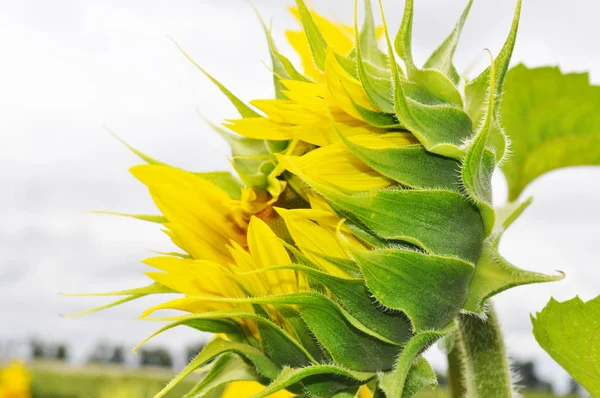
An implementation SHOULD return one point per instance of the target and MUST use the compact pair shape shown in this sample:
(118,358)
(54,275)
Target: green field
(53,380)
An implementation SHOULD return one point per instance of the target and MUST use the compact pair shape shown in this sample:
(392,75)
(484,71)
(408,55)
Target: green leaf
(411,166)
(318,45)
(553,121)
(569,332)
(395,384)
(290,376)
(441,59)
(243,109)
(415,216)
(218,347)
(228,368)
(430,290)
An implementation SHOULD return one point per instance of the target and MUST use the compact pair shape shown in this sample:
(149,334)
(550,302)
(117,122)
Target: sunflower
(361,227)
(15,381)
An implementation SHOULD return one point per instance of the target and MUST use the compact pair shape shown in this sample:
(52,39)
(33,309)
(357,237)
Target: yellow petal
(312,239)
(195,208)
(194,306)
(194,278)
(385,141)
(364,392)
(335,165)
(245,389)
(268,251)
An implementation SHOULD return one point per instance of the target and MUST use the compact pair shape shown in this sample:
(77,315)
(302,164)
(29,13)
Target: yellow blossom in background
(15,381)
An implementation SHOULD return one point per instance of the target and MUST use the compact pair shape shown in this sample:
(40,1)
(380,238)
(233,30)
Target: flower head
(15,381)
(362,227)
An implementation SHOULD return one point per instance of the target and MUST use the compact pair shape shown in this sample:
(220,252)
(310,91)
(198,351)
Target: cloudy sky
(71,69)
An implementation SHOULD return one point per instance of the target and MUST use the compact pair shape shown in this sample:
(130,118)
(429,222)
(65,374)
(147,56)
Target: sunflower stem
(485,365)
(456,377)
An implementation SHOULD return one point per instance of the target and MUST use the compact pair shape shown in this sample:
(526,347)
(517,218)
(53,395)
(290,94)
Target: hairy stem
(484,361)
(456,377)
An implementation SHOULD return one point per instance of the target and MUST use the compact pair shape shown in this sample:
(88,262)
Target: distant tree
(574,387)
(61,352)
(118,356)
(441,378)
(156,357)
(529,378)
(37,349)
(105,353)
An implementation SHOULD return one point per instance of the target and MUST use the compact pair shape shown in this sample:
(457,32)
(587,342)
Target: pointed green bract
(243,109)
(141,217)
(354,297)
(434,81)
(411,166)
(441,59)
(494,274)
(476,90)
(290,376)
(420,376)
(216,348)
(403,41)
(289,351)
(430,290)
(279,70)
(566,133)
(395,383)
(362,349)
(227,369)
(372,64)
(568,331)
(441,129)
(316,42)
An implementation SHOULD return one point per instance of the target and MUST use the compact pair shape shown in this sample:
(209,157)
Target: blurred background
(70,70)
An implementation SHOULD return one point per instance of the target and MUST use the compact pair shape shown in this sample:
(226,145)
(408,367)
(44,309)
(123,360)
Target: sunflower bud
(362,226)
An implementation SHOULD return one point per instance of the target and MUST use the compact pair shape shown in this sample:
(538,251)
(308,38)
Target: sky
(72,70)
